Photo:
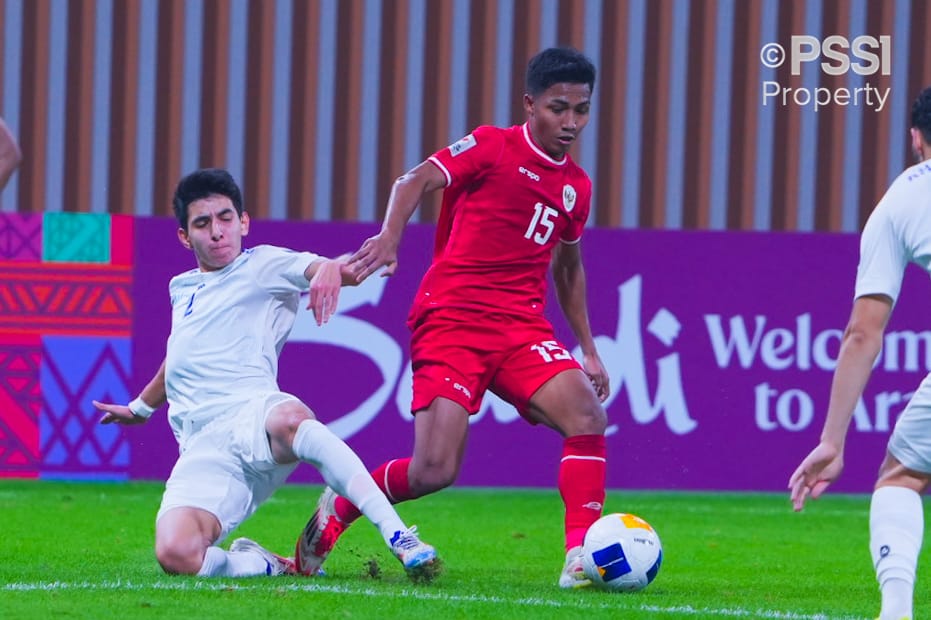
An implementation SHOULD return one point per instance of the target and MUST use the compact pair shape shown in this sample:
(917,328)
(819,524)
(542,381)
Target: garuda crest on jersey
(568,197)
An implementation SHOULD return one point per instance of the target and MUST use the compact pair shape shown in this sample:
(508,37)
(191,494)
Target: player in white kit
(239,435)
(898,232)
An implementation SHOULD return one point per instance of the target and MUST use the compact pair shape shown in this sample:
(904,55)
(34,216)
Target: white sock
(896,531)
(344,471)
(220,563)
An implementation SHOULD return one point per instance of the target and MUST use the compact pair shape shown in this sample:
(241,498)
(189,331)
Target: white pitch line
(575,604)
(785,511)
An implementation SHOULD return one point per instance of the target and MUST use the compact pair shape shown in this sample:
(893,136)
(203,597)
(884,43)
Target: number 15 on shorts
(551,350)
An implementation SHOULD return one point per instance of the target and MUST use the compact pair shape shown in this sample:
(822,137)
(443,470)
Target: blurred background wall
(316,106)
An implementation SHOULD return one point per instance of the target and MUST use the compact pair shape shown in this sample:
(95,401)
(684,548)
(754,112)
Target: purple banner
(720,348)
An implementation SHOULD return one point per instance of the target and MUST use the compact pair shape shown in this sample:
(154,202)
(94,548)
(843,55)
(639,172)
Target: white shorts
(227,467)
(910,442)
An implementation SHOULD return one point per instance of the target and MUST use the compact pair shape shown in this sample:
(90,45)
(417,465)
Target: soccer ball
(621,553)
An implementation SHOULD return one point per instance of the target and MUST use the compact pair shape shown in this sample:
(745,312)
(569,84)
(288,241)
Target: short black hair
(201,184)
(921,114)
(559,64)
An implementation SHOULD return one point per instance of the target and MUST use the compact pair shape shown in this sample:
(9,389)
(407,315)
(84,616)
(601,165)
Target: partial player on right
(898,232)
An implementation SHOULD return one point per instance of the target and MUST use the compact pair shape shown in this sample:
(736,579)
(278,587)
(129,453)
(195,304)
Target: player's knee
(179,557)
(598,420)
(432,478)
(283,421)
(588,421)
(591,419)
(893,473)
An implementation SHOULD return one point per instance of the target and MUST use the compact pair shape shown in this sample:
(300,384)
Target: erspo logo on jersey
(461,146)
(533,176)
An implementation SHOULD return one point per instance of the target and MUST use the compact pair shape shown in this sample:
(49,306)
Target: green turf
(84,550)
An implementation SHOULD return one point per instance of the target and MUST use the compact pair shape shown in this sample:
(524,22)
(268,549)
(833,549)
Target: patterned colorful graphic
(65,325)
(76,237)
(20,404)
(65,298)
(76,370)
(20,237)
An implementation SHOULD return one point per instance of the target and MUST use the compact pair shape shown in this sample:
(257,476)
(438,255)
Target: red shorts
(458,354)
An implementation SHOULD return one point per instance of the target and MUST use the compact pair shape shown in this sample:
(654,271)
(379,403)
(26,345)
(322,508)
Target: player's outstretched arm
(10,155)
(326,277)
(571,291)
(859,348)
(406,193)
(152,397)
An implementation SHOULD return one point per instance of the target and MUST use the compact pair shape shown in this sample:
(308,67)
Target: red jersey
(506,205)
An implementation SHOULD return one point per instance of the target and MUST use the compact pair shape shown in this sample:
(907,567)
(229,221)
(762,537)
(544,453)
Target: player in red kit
(514,204)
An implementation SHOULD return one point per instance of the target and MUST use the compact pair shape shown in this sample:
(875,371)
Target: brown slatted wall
(2,47)
(571,32)
(79,112)
(526,44)
(33,105)
(830,173)
(124,91)
(876,127)
(438,55)
(302,146)
(169,82)
(696,208)
(919,49)
(830,191)
(919,70)
(611,107)
(483,57)
(744,106)
(350,28)
(393,100)
(787,127)
(259,84)
(214,84)
(657,69)
(570,24)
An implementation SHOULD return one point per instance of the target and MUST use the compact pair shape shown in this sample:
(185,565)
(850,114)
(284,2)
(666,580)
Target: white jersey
(227,329)
(897,232)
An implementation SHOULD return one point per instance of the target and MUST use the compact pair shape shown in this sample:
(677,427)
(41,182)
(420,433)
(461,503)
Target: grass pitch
(84,550)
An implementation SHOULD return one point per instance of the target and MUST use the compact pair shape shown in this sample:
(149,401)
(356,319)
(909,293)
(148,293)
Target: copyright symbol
(772,55)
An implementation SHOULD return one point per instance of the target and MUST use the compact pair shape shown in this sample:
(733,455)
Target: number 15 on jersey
(541,224)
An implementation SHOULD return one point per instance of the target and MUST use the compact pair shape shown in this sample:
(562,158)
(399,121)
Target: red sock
(391,478)
(582,484)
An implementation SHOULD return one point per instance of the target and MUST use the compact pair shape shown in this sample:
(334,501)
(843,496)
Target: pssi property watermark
(834,55)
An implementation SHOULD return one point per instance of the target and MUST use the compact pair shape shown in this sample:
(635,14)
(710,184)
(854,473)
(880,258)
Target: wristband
(140,408)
